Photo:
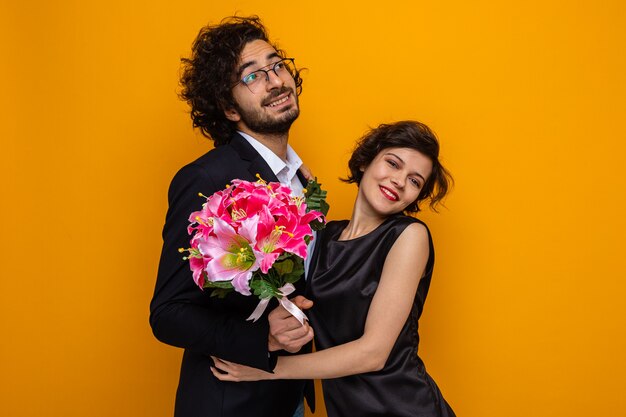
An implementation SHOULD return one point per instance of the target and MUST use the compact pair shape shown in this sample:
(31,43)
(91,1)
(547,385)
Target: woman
(369,279)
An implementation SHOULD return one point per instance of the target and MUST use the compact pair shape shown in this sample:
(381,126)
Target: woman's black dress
(343,278)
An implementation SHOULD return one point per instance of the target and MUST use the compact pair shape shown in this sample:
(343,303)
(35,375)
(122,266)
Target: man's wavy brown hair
(207,77)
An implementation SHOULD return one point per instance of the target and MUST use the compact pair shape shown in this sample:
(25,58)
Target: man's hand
(306,171)
(286,332)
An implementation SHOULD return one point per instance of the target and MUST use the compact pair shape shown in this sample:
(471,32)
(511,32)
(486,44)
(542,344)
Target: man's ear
(232,115)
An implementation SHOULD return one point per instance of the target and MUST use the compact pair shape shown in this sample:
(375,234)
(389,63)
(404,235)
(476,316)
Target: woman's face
(393,180)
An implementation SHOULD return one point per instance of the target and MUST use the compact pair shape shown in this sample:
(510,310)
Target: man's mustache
(275,93)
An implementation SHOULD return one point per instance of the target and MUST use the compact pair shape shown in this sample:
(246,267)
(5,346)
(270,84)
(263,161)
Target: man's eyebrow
(272,55)
(248,64)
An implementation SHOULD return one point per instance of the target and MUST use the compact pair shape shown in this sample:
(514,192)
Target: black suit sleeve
(181,314)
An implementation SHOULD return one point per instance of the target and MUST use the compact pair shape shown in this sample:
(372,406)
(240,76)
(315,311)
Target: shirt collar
(276,164)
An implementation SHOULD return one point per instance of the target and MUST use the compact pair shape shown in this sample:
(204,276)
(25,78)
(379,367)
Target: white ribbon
(284,291)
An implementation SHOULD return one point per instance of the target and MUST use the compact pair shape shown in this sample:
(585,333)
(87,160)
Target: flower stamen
(238,214)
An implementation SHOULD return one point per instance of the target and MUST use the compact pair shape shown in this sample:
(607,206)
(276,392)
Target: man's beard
(260,122)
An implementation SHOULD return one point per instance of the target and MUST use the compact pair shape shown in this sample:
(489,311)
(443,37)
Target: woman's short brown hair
(405,134)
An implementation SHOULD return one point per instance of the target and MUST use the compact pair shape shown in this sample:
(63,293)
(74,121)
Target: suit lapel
(302,179)
(257,164)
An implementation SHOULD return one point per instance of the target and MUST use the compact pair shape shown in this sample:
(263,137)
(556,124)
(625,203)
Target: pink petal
(248,229)
(216,271)
(212,248)
(224,233)
(268,260)
(241,282)
(197,267)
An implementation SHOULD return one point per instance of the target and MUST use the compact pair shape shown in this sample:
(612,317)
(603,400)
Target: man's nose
(274,80)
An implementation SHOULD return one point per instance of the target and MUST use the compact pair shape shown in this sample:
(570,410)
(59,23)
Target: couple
(367,278)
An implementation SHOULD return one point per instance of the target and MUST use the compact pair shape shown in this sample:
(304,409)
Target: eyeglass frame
(267,72)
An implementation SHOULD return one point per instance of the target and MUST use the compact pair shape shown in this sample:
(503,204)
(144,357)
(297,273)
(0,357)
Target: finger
(222,376)
(279,312)
(302,303)
(306,337)
(301,335)
(221,364)
(215,358)
(306,171)
(280,326)
(295,345)
(294,331)
(301,330)
(292,336)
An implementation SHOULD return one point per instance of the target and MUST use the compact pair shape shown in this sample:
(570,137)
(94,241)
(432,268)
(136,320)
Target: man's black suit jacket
(182,315)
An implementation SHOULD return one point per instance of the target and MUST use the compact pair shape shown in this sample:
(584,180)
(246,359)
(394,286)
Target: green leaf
(316,197)
(220,288)
(284,255)
(324,206)
(221,292)
(218,284)
(263,289)
(283,267)
(296,273)
(317,225)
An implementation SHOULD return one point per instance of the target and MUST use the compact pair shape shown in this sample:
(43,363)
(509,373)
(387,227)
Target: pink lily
(248,199)
(231,254)
(280,233)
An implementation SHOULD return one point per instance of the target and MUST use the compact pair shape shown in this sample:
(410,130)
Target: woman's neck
(361,222)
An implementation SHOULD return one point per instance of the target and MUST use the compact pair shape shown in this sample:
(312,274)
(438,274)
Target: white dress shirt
(286,172)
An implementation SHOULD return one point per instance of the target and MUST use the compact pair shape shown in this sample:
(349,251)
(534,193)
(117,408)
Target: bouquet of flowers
(252,238)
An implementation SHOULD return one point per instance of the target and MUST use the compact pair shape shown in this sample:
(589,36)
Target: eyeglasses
(256,80)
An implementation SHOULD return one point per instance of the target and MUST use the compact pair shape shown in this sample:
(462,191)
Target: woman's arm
(388,313)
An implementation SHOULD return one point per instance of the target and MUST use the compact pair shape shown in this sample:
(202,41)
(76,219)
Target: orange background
(525,315)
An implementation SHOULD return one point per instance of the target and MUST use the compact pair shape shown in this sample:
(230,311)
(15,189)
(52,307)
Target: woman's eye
(415,182)
(392,163)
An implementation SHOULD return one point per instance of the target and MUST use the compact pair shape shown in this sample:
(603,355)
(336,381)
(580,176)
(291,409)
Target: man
(243,94)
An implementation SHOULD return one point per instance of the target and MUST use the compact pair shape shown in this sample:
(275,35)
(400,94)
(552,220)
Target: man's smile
(279,101)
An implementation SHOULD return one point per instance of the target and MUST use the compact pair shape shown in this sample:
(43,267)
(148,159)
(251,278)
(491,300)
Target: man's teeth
(277,102)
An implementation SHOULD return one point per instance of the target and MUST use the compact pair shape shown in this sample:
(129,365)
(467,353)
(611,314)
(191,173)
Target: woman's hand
(234,372)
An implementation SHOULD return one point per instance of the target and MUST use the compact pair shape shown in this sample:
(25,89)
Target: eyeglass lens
(257,79)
